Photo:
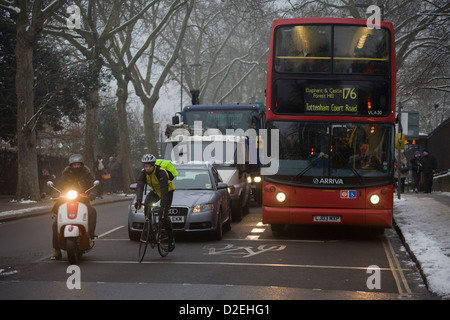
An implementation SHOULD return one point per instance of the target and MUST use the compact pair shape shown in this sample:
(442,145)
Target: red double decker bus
(331,96)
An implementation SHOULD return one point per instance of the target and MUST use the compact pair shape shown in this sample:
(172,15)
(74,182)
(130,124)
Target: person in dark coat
(78,177)
(99,170)
(415,170)
(428,166)
(114,171)
(45,174)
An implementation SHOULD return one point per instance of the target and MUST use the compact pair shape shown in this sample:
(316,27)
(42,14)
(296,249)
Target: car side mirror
(222,185)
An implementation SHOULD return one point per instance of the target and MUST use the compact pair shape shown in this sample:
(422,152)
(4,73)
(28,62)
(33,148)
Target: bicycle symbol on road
(242,252)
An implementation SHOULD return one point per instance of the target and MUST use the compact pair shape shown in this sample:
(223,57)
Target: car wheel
(133,235)
(227,226)
(218,233)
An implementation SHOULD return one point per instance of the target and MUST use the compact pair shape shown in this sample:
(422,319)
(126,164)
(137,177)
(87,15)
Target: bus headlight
(281,196)
(374,199)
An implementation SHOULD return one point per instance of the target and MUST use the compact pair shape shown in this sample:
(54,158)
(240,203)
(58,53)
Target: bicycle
(153,233)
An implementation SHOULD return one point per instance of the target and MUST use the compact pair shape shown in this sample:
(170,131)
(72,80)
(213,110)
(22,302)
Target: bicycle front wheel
(144,240)
(163,242)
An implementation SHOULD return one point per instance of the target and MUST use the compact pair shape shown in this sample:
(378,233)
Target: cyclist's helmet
(148,158)
(76,158)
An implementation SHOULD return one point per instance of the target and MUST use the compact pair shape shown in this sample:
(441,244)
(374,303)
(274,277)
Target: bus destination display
(331,99)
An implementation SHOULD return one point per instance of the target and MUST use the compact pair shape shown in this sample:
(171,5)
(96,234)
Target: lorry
(243,119)
(228,153)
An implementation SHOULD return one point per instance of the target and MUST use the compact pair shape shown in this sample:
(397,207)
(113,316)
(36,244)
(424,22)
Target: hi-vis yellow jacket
(155,180)
(158,181)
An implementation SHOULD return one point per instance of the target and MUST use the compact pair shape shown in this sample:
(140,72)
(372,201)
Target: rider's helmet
(148,158)
(76,158)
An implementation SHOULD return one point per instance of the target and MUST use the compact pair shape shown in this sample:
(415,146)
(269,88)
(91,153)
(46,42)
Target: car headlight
(281,196)
(142,209)
(72,194)
(203,207)
(374,199)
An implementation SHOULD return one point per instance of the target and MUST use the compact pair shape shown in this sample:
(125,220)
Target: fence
(8,170)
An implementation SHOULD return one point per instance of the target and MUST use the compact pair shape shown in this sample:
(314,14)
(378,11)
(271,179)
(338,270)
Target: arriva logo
(328,181)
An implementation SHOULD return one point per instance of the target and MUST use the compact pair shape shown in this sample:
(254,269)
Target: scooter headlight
(72,194)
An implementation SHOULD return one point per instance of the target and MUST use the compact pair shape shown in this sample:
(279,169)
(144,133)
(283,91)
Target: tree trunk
(149,128)
(91,130)
(127,172)
(28,182)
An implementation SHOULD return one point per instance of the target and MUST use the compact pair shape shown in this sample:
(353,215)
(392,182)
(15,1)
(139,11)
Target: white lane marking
(110,231)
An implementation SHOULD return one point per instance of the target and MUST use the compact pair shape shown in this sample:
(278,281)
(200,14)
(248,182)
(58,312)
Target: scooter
(72,223)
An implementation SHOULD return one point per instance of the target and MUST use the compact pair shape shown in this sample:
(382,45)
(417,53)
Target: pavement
(11,209)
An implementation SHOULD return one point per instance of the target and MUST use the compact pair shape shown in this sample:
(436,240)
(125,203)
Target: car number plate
(176,218)
(327,218)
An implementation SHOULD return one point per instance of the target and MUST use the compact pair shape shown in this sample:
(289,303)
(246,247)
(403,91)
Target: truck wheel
(236,211)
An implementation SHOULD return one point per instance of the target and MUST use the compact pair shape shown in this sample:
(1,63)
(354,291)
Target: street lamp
(181,82)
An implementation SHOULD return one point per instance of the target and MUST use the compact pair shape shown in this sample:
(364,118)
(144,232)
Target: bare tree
(149,72)
(230,41)
(30,17)
(90,41)
(121,62)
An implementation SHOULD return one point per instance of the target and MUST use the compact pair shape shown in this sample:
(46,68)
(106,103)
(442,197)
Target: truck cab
(227,153)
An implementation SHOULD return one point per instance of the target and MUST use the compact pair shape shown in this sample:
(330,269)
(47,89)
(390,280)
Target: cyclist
(161,189)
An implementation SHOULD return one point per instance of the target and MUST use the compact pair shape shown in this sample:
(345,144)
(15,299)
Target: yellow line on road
(396,270)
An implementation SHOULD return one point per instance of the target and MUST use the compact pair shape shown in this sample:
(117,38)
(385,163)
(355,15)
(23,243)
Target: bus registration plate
(326,218)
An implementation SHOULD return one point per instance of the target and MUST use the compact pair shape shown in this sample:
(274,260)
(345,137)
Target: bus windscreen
(334,149)
(223,119)
(331,50)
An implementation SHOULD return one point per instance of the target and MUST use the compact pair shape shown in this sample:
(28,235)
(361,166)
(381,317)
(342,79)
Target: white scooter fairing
(73,224)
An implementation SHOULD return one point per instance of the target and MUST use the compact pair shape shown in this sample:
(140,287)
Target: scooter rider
(78,177)
(161,189)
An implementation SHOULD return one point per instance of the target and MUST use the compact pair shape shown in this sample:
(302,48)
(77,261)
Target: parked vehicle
(201,203)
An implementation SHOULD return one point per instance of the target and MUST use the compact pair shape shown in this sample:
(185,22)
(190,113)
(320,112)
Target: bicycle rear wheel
(163,241)
(144,240)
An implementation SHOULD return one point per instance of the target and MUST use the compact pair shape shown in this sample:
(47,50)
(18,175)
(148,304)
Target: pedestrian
(415,170)
(404,169)
(428,167)
(99,171)
(114,171)
(45,173)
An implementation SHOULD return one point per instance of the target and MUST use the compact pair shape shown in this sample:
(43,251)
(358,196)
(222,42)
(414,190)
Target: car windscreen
(193,179)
